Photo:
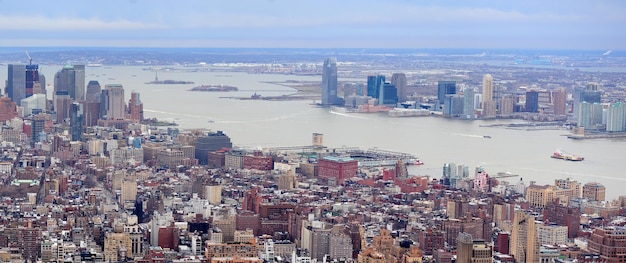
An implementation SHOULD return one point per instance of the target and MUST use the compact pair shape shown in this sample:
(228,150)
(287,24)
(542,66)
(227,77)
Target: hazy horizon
(395,24)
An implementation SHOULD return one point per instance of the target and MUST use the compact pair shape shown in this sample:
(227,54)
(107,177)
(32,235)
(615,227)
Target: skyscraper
(112,103)
(445,88)
(76,121)
(487,87)
(532,101)
(468,103)
(524,245)
(71,79)
(616,117)
(399,80)
(374,85)
(559,101)
(93,91)
(329,82)
(16,83)
(135,108)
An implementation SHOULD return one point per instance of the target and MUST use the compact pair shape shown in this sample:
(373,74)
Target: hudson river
(258,123)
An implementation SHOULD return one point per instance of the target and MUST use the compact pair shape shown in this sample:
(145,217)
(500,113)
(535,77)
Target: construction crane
(30,59)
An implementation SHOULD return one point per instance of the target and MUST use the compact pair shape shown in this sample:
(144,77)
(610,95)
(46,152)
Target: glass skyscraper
(329,82)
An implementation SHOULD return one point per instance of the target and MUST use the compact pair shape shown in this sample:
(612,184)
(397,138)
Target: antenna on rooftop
(30,59)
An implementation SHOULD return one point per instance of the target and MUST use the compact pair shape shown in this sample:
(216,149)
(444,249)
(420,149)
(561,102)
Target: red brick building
(339,168)
(258,162)
(609,242)
(8,109)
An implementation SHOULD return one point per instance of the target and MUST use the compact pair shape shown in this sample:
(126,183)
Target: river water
(259,123)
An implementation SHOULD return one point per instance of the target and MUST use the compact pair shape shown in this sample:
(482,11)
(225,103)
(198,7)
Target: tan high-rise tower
(524,246)
(487,87)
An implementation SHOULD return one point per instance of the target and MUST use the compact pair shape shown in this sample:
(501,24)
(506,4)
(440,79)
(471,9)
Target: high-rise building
(590,115)
(374,85)
(616,117)
(399,81)
(71,79)
(91,113)
(559,102)
(94,91)
(329,82)
(506,106)
(532,101)
(112,105)
(594,191)
(62,102)
(388,94)
(524,246)
(453,105)
(16,83)
(444,88)
(135,108)
(487,87)
(468,103)
(38,124)
(589,94)
(76,121)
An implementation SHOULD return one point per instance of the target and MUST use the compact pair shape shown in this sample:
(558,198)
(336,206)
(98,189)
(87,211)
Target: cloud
(69,24)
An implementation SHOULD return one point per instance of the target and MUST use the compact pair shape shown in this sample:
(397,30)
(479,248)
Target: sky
(498,24)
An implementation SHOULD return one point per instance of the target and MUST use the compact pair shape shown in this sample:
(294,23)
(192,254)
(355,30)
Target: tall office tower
(399,80)
(62,103)
(453,105)
(33,86)
(590,115)
(112,105)
(616,117)
(589,94)
(72,80)
(93,91)
(135,108)
(468,103)
(594,191)
(8,109)
(16,83)
(524,245)
(76,121)
(559,102)
(329,82)
(41,88)
(91,113)
(445,88)
(487,87)
(388,94)
(374,84)
(38,125)
(532,101)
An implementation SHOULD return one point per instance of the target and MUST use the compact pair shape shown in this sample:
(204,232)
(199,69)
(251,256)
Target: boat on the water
(558,154)
(487,136)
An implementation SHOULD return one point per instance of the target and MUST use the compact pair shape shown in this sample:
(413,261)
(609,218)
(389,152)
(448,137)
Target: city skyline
(327,24)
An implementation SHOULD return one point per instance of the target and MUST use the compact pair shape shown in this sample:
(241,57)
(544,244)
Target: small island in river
(168,81)
(214,88)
